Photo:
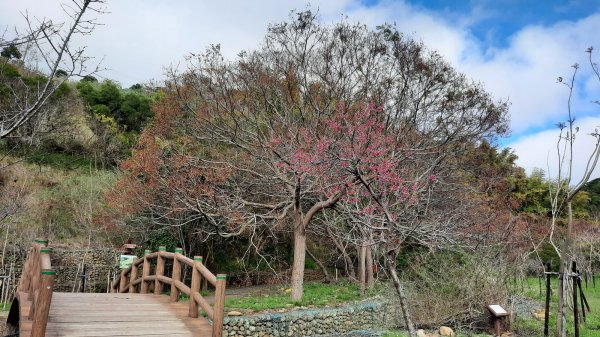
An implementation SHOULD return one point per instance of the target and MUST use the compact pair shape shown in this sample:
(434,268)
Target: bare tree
(53,44)
(565,188)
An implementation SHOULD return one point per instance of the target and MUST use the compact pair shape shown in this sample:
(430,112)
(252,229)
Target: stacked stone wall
(99,264)
(357,317)
(68,263)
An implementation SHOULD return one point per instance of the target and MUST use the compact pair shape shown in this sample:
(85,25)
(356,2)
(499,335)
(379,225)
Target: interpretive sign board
(497,310)
(125,261)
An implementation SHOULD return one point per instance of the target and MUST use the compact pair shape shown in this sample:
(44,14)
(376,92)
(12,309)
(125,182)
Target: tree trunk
(362,254)
(299,259)
(391,266)
(370,278)
(349,263)
(563,307)
(566,256)
(321,265)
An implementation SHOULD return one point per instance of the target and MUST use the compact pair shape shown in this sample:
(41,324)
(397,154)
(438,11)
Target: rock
(421,333)
(446,331)
(539,314)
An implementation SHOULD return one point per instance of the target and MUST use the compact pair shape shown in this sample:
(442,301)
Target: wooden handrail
(130,280)
(37,280)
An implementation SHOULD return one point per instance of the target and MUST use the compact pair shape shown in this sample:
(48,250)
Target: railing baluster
(219,305)
(160,271)
(176,275)
(35,274)
(195,287)
(132,277)
(145,273)
(123,281)
(42,305)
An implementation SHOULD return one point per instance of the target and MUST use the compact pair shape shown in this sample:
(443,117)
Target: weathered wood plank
(123,314)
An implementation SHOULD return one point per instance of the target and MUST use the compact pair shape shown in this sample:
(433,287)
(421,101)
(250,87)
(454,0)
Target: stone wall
(69,263)
(362,316)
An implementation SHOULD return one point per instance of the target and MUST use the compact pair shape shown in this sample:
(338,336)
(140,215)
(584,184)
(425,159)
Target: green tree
(11,52)
(89,78)
(110,95)
(135,111)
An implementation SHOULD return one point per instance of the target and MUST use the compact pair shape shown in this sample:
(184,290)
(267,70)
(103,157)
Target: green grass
(399,333)
(315,294)
(533,327)
(8,304)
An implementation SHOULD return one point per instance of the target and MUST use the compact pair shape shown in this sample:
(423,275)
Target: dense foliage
(129,108)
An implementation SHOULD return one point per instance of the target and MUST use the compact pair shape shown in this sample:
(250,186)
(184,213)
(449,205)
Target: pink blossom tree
(292,124)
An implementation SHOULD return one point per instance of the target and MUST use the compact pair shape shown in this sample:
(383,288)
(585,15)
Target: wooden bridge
(136,306)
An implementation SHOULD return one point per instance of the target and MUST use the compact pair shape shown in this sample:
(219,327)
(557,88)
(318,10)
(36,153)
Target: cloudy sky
(516,48)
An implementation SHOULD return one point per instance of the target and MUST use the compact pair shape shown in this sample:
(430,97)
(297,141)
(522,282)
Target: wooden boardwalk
(131,309)
(76,314)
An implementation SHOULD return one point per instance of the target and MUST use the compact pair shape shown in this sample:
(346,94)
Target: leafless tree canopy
(52,43)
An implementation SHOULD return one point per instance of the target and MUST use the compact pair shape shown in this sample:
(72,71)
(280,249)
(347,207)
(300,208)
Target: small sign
(497,310)
(125,261)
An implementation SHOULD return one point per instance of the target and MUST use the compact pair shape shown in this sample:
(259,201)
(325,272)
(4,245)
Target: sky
(516,48)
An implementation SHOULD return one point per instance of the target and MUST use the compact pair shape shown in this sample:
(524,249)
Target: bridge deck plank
(88,315)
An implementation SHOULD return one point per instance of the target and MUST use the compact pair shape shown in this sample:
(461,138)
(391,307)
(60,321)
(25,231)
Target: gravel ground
(523,306)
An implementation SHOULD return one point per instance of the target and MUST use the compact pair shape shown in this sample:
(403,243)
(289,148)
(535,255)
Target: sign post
(498,312)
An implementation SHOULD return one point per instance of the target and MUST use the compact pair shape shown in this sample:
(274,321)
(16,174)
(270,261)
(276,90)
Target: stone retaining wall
(362,316)
(69,263)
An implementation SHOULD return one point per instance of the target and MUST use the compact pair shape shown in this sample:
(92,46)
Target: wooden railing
(130,281)
(37,280)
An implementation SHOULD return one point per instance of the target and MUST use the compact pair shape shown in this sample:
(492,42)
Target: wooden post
(362,255)
(369,267)
(28,268)
(160,270)
(132,277)
(42,308)
(219,305)
(582,299)
(25,280)
(547,307)
(497,326)
(575,304)
(195,287)
(176,276)
(145,273)
(122,281)
(35,274)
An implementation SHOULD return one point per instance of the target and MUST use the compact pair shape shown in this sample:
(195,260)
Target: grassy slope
(56,197)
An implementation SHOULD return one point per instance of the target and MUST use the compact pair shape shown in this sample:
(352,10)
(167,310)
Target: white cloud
(526,71)
(539,150)
(140,37)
